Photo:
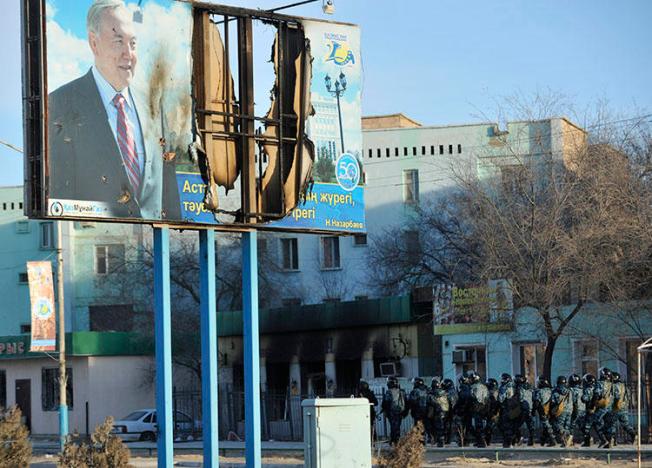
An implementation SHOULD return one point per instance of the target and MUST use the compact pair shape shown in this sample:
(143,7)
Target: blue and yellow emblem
(340,53)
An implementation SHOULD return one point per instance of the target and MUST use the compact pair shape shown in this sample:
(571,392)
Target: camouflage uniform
(588,387)
(579,407)
(510,410)
(524,395)
(450,419)
(561,410)
(541,402)
(438,409)
(620,410)
(418,404)
(480,400)
(395,408)
(603,402)
(493,410)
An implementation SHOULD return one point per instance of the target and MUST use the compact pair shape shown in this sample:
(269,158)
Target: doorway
(24,400)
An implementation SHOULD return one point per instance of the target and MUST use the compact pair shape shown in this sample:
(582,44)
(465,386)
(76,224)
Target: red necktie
(126,143)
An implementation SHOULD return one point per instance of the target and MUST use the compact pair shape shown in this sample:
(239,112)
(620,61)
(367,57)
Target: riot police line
(582,410)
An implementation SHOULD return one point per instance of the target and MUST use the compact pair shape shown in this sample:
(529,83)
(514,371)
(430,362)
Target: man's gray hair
(96,10)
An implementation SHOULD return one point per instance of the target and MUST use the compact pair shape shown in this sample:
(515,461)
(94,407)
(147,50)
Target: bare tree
(565,227)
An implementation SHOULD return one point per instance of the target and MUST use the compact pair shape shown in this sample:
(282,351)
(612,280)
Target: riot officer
(588,388)
(561,409)
(418,404)
(493,409)
(620,413)
(603,402)
(480,401)
(541,402)
(395,407)
(438,409)
(524,395)
(510,409)
(363,391)
(579,407)
(463,409)
(449,421)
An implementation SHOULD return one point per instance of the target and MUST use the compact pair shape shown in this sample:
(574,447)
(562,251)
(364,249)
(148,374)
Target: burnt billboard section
(188,113)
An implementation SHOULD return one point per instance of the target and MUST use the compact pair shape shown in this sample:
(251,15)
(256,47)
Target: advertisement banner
(41,295)
(123,139)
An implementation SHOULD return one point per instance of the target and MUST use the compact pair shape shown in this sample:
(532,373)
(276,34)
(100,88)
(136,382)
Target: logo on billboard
(43,309)
(340,53)
(347,171)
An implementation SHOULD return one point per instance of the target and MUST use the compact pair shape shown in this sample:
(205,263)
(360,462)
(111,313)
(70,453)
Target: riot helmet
(542,382)
(562,381)
(519,379)
(448,384)
(492,384)
(615,377)
(574,380)
(505,378)
(435,383)
(418,382)
(363,385)
(589,379)
(392,382)
(605,373)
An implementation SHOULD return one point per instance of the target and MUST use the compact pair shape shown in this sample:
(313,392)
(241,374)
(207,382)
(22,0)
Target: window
(411,186)
(13,206)
(330,247)
(25,328)
(46,241)
(586,357)
(450,149)
(371,153)
(3,389)
(291,302)
(387,152)
(466,358)
(405,150)
(414,151)
(359,239)
(20,205)
(432,150)
(108,258)
(441,149)
(513,178)
(378,152)
(423,151)
(290,254)
(4,206)
(50,389)
(395,151)
(631,358)
(22,278)
(459,148)
(117,318)
(22,227)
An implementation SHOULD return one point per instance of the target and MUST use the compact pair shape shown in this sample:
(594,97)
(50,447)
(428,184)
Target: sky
(444,61)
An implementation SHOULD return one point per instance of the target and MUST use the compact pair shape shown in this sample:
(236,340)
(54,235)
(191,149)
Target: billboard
(41,295)
(153,114)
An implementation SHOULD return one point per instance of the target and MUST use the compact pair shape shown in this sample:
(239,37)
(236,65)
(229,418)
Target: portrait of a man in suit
(104,137)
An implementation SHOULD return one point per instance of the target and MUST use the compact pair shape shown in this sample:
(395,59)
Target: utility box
(336,433)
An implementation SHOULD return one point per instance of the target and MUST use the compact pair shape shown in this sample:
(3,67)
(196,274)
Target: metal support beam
(251,348)
(163,347)
(208,347)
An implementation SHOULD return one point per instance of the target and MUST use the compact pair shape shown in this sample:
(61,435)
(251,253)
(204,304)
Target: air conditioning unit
(389,369)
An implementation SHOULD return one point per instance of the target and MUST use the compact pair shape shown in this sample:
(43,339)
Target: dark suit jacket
(85,161)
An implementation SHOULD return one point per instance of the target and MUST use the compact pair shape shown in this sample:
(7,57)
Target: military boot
(587,441)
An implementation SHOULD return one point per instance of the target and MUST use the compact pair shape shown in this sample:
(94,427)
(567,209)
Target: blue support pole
(208,347)
(251,348)
(163,347)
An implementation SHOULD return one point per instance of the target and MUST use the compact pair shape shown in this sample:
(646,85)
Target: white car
(141,425)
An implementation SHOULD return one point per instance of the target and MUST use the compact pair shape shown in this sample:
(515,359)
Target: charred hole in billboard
(161,111)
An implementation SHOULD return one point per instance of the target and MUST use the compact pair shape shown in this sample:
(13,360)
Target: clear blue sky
(442,61)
